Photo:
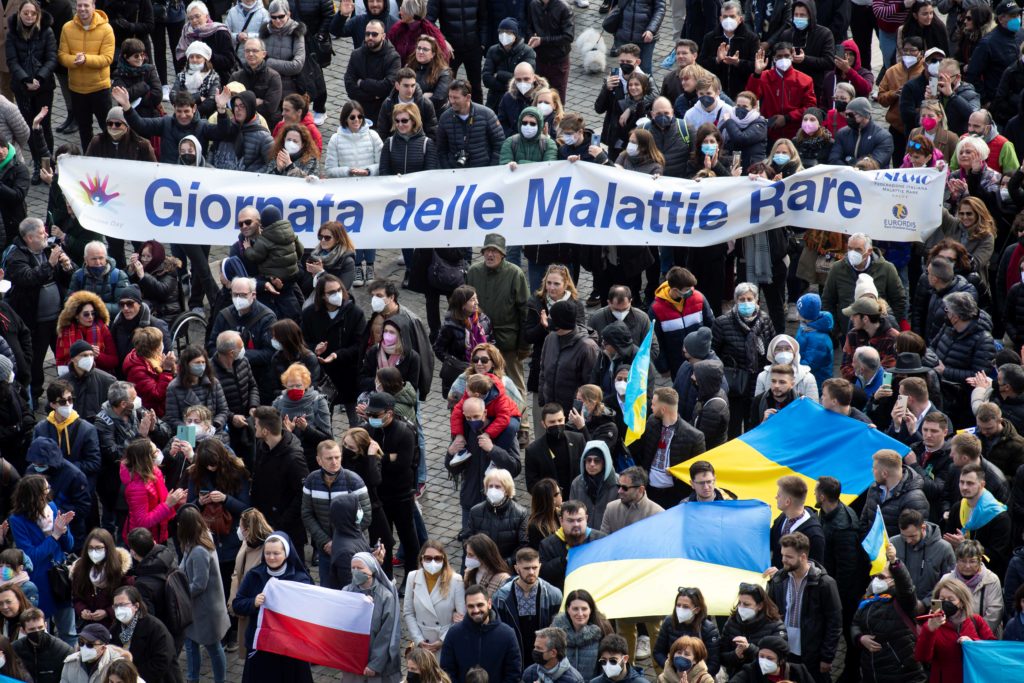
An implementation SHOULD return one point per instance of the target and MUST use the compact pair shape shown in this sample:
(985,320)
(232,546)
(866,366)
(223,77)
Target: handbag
(445,276)
(450,371)
(739,381)
(217,518)
(59,578)
(613,22)
(323,49)
(325,385)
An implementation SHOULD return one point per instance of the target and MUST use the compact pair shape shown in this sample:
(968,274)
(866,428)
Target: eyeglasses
(969,561)
(245,223)
(433,558)
(278,17)
(87,314)
(355,117)
(480,360)
(402,121)
(372,34)
(613,661)
(127,304)
(65,401)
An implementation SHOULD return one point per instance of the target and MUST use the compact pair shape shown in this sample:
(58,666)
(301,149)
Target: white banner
(537,203)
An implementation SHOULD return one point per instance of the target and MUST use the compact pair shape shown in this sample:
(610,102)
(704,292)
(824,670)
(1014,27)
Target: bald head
(473,408)
(249,221)
(661,106)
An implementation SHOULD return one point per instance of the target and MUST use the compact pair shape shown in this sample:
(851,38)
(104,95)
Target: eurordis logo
(899,211)
(96,192)
(899,219)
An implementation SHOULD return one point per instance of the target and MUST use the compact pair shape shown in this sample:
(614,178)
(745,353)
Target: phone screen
(887,379)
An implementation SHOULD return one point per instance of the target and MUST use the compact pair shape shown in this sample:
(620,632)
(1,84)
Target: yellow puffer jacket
(97,42)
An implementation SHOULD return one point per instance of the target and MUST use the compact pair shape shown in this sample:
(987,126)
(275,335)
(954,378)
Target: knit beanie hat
(865,285)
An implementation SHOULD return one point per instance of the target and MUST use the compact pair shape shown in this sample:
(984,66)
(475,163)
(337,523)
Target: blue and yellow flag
(802,439)
(875,543)
(636,571)
(986,509)
(986,661)
(635,401)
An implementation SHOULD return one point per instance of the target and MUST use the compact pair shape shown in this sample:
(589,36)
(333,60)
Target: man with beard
(554,550)
(481,640)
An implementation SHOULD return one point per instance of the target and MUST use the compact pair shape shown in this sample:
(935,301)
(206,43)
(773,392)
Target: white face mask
(545,109)
(528,130)
(879,585)
(292,147)
(377,304)
(620,387)
(767,665)
(97,556)
(746,613)
(523,87)
(909,61)
(632,149)
(933,69)
(729,24)
(85,363)
(137,403)
(568,138)
(158,458)
(620,315)
(88,654)
(612,670)
(335,299)
(241,536)
(472,563)
(241,303)
(495,495)
(195,68)
(275,344)
(784,357)
(359,516)
(433,567)
(241,354)
(855,258)
(684,614)
(124,614)
(10,378)
(506,39)
(783,64)
(64,411)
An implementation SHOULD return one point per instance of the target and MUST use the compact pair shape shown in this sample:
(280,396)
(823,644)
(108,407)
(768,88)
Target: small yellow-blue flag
(875,544)
(635,401)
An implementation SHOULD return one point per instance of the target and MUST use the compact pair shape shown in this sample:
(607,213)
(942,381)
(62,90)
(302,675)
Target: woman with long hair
(144,636)
(922,22)
(465,327)
(484,564)
(32,59)
(195,383)
(41,531)
(622,114)
(952,621)
(390,352)
(209,611)
(295,110)
(932,119)
(972,24)
(289,348)
(334,326)
(689,618)
(294,153)
(334,255)
(121,671)
(304,409)
(12,666)
(641,154)
(595,420)
(707,153)
(584,627)
(13,603)
(549,103)
(253,531)
(362,455)
(423,663)
(150,504)
(754,617)
(432,72)
(545,511)
(435,598)
(100,571)
(151,370)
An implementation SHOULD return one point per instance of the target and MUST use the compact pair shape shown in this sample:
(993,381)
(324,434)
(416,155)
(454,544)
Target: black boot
(35,173)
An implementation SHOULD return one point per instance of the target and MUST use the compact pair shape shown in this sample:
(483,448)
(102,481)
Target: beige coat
(246,559)
(428,615)
(618,516)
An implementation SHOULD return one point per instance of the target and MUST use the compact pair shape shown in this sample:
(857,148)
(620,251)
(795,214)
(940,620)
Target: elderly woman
(384,664)
(200,27)
(986,590)
(156,274)
(195,384)
(85,317)
(740,338)
(286,45)
(972,175)
(964,348)
(500,517)
(305,410)
(785,350)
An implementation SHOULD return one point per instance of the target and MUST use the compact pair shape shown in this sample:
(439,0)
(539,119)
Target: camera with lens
(460,159)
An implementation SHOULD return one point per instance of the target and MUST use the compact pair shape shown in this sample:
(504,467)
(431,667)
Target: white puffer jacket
(347,150)
(804,382)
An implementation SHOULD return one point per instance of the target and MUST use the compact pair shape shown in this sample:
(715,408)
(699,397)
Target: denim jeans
(514,254)
(368,255)
(194,660)
(64,619)
(887,46)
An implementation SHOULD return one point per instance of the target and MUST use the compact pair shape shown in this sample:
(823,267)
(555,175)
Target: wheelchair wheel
(188,329)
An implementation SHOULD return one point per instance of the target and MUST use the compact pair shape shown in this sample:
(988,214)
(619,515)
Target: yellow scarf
(965,514)
(62,428)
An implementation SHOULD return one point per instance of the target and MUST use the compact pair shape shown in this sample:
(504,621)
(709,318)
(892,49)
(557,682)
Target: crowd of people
(149,492)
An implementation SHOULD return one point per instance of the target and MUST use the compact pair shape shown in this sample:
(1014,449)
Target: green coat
(503,294)
(523,151)
(276,252)
(842,279)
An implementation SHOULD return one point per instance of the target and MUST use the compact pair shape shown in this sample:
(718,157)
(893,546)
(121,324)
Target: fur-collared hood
(291,28)
(76,301)
(122,554)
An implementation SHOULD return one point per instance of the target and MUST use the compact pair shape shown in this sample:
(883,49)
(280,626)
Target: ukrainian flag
(636,571)
(875,543)
(802,439)
(635,400)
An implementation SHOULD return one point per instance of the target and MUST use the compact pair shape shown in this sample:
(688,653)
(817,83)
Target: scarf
(128,631)
(984,512)
(125,68)
(97,577)
(552,675)
(972,582)
(386,359)
(758,258)
(475,334)
(593,484)
(551,302)
(194,81)
(9,157)
(754,338)
(881,597)
(329,256)
(190,35)
(63,433)
(752,115)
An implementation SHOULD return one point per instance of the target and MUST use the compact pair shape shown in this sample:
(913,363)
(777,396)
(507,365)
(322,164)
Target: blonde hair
(957,588)
(297,371)
(566,276)
(412,110)
(503,477)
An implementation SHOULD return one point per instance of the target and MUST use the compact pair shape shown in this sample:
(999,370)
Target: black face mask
(627,69)
(851,121)
(741,112)
(188,159)
(412,676)
(556,432)
(348,454)
(37,638)
(949,608)
(538,657)
(840,105)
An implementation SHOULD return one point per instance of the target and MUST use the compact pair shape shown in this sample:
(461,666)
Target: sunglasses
(613,661)
(433,558)
(687,592)
(277,17)
(87,314)
(400,121)
(127,304)
(372,34)
(114,124)
(355,117)
(325,238)
(915,145)
(624,487)
(481,359)
(245,223)
(65,401)
(749,588)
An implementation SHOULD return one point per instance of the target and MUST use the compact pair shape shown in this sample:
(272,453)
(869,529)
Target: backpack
(7,252)
(177,602)
(78,279)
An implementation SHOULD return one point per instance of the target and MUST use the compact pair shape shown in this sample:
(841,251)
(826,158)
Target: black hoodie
(819,49)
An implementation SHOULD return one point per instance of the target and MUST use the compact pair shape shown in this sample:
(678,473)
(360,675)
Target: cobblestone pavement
(439,503)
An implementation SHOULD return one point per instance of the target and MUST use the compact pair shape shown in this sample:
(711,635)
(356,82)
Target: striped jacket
(316,503)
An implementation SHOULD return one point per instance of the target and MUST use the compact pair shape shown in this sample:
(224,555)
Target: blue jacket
(548,605)
(994,53)
(815,340)
(85,446)
(44,551)
(69,485)
(492,646)
(852,145)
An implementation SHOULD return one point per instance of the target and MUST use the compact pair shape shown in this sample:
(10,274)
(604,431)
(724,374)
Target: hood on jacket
(291,28)
(343,511)
(45,451)
(799,370)
(407,394)
(535,113)
(514,91)
(824,323)
(279,232)
(248,98)
(708,375)
(616,334)
(932,536)
(99,17)
(200,161)
(812,12)
(598,445)
(852,47)
(76,301)
(123,556)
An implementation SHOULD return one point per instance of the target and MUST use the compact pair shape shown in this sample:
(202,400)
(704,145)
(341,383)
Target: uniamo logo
(96,192)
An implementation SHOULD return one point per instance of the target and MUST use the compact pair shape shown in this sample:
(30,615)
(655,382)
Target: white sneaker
(582,3)
(167,93)
(319,118)
(792,316)
(643,647)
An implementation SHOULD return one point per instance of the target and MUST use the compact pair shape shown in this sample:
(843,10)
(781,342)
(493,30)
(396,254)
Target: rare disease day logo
(96,190)
(899,211)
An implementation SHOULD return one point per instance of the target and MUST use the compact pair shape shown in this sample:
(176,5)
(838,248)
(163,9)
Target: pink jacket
(146,504)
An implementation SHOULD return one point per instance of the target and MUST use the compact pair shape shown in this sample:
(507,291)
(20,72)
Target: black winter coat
(171,132)
(638,17)
(18,337)
(499,63)
(769,30)
(401,155)
(31,58)
(674,144)
(844,560)
(811,528)
(14,184)
(821,615)
(1013,314)
(480,137)
(751,673)
(819,49)
(906,495)
(239,385)
(964,353)
(754,630)
(162,290)
(277,476)
(1005,105)
(123,330)
(566,364)
(888,622)
(672,630)
(46,662)
(370,76)
(744,44)
(928,312)
(152,648)
(505,525)
(129,19)
(729,339)
(16,424)
(315,14)
(554,23)
(409,366)
(383,122)
(534,333)
(461,21)
(540,464)
(355,26)
(343,334)
(90,391)
(687,444)
(28,277)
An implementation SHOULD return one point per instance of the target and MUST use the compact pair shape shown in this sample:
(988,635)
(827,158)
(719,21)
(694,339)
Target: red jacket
(150,384)
(404,36)
(859,77)
(500,410)
(314,132)
(941,650)
(97,335)
(147,505)
(789,95)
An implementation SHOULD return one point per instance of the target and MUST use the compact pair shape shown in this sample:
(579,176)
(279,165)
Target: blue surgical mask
(746,308)
(662,120)
(708,148)
(375,422)
(800,23)
(1013,24)
(780,159)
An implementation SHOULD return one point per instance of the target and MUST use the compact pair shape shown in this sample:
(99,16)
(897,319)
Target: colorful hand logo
(96,190)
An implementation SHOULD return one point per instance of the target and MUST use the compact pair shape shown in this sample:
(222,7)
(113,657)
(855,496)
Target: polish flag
(317,625)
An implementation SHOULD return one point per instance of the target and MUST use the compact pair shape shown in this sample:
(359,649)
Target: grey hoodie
(607,489)
(927,562)
(200,160)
